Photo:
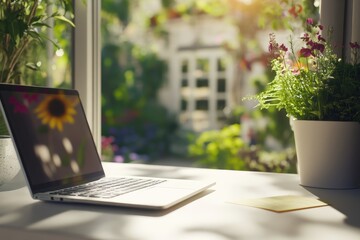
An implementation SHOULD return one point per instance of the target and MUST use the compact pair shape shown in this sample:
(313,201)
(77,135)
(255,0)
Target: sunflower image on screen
(56,110)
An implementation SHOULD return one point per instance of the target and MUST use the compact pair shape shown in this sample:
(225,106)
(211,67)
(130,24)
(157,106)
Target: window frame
(86,62)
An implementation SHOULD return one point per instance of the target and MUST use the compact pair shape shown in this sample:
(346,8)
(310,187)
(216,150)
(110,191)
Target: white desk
(206,216)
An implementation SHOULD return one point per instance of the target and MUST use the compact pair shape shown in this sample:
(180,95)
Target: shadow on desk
(40,210)
(345,201)
(128,210)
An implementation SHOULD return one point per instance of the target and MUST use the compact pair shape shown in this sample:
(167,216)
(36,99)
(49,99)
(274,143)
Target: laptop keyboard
(108,187)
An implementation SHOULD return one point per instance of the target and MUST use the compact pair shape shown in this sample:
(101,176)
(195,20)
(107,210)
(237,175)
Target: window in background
(174,74)
(201,90)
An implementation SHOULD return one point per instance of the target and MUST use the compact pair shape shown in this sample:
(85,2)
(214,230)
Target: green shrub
(219,148)
(131,113)
(269,161)
(225,149)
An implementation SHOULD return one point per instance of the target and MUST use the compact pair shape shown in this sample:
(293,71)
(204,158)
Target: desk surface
(206,216)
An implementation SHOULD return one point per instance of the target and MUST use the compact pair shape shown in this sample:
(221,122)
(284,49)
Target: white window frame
(345,25)
(87,62)
(212,54)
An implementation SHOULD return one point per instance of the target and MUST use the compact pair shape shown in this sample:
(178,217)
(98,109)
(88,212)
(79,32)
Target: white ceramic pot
(9,164)
(328,153)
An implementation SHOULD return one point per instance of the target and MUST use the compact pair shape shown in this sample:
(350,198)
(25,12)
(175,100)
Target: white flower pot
(328,153)
(9,164)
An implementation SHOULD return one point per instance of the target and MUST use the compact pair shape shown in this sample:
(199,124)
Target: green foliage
(341,94)
(219,148)
(284,13)
(277,126)
(22,26)
(277,123)
(132,76)
(131,79)
(119,8)
(167,3)
(270,161)
(3,127)
(226,150)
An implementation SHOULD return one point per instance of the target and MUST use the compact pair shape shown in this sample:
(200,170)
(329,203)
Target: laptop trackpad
(156,196)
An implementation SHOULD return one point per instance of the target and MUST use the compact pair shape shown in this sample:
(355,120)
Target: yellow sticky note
(282,203)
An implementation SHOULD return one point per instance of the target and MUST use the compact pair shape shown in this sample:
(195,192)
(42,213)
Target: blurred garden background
(174,75)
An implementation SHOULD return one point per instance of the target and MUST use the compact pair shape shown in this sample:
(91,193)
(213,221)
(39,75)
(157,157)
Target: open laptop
(59,158)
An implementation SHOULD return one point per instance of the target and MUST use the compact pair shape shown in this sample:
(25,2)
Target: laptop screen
(52,136)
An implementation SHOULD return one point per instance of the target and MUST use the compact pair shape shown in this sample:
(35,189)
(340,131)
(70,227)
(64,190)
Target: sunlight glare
(75,166)
(317,3)
(67,145)
(60,52)
(57,160)
(43,153)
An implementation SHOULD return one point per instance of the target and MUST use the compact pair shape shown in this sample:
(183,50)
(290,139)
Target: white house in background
(201,71)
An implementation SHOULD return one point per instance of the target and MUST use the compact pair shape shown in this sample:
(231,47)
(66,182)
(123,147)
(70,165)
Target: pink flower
(305,52)
(310,21)
(283,48)
(119,159)
(19,107)
(318,46)
(106,141)
(314,46)
(320,38)
(306,37)
(296,72)
(273,45)
(31,97)
(310,43)
(354,45)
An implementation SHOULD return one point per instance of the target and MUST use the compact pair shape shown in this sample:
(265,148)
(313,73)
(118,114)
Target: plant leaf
(32,66)
(34,34)
(43,36)
(41,24)
(62,18)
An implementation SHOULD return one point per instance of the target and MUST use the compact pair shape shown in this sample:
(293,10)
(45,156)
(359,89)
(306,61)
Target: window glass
(221,104)
(202,104)
(221,65)
(202,65)
(221,85)
(174,76)
(184,66)
(202,82)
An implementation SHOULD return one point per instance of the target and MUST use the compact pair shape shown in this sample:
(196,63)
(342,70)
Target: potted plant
(22,25)
(321,92)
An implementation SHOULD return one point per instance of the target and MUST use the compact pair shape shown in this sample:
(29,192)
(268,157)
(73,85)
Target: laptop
(60,161)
